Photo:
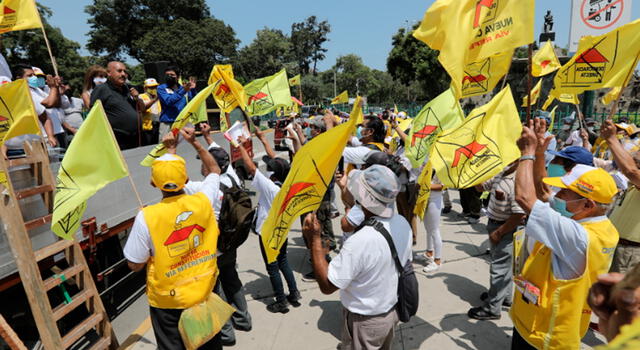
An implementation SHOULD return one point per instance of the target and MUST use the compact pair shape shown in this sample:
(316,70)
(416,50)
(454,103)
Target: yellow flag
(224,123)
(535,93)
(628,339)
(481,77)
(424,180)
(266,94)
(295,81)
(611,96)
(545,61)
(565,98)
(552,116)
(342,98)
(83,172)
(604,61)
(186,114)
(228,93)
(482,146)
(19,15)
(441,113)
(395,108)
(313,167)
(469,31)
(17,115)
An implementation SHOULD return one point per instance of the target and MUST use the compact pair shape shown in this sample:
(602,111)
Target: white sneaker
(473,221)
(431,267)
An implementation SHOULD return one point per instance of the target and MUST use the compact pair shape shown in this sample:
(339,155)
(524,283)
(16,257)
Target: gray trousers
(361,332)
(500,272)
(625,258)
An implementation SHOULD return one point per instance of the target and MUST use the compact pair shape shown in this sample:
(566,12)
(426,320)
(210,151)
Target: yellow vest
(183,270)
(624,216)
(562,315)
(151,114)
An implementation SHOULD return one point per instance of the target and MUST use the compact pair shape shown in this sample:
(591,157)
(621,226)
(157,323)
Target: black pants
(470,201)
(229,287)
(518,342)
(165,328)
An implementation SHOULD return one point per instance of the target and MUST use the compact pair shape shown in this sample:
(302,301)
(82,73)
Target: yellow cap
(587,181)
(169,173)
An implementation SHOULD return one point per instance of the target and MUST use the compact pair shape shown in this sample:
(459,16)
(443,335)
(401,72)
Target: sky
(363,27)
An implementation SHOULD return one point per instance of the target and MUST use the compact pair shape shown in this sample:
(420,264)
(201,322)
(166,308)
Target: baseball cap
(576,154)
(4,80)
(37,71)
(278,166)
(150,82)
(169,173)
(626,127)
(377,157)
(318,122)
(375,189)
(220,155)
(588,121)
(589,182)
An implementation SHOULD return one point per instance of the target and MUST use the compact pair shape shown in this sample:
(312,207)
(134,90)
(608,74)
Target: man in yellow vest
(177,240)
(569,242)
(625,215)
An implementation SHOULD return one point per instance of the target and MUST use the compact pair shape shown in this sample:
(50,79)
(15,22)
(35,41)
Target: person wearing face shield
(568,243)
(173,97)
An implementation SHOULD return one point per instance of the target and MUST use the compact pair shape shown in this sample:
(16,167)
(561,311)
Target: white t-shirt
(268,191)
(55,114)
(139,246)
(365,272)
(193,187)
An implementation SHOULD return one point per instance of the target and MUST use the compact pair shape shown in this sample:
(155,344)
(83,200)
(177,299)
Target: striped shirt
(502,203)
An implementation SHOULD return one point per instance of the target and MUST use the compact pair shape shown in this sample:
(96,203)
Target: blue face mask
(307,133)
(41,82)
(359,132)
(560,205)
(32,81)
(555,170)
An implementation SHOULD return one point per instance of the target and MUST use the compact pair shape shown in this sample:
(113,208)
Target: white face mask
(98,80)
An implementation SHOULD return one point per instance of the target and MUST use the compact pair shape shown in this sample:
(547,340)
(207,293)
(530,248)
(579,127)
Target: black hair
(374,123)
(172,68)
(18,71)
(567,164)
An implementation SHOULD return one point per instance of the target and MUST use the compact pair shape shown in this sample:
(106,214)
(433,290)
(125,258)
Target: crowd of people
(561,219)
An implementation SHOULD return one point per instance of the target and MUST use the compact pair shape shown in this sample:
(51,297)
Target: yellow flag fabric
(83,172)
(424,181)
(266,94)
(481,147)
(552,116)
(481,77)
(295,81)
(228,93)
(356,112)
(545,61)
(342,98)
(200,115)
(19,15)
(313,167)
(468,31)
(604,61)
(186,115)
(565,98)
(535,93)
(441,113)
(611,96)
(628,339)
(224,123)
(17,115)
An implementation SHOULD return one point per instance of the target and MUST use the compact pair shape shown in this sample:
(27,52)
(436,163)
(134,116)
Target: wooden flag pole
(53,59)
(529,82)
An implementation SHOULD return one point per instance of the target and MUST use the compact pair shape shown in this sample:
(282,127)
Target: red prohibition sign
(586,19)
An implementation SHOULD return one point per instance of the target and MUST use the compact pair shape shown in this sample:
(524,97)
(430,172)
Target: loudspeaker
(156,70)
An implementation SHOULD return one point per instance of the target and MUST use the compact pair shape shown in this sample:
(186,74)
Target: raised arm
(263,138)
(210,164)
(543,191)
(53,100)
(623,159)
(248,162)
(525,189)
(205,128)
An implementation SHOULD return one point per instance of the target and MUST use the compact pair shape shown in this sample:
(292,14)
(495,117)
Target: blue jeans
(280,265)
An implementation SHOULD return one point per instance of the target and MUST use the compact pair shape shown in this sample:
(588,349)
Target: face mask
(555,170)
(41,82)
(307,133)
(99,80)
(359,132)
(560,205)
(32,81)
(170,80)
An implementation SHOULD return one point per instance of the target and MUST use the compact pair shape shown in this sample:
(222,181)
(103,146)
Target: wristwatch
(528,157)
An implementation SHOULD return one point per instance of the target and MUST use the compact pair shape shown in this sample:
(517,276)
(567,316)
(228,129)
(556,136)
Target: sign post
(596,17)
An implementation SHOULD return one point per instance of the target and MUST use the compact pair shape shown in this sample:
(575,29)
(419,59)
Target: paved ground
(441,323)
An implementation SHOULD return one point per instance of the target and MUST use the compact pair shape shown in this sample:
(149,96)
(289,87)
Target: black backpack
(236,217)
(408,297)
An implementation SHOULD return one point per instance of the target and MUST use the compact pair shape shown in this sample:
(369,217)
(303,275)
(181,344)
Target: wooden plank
(37,222)
(32,191)
(53,249)
(56,279)
(81,329)
(101,344)
(61,310)
(9,336)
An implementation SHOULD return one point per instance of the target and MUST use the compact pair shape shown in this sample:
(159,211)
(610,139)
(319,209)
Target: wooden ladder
(27,259)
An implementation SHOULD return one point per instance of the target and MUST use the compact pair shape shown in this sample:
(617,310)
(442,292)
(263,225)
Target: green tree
(268,53)
(411,61)
(28,46)
(194,46)
(308,38)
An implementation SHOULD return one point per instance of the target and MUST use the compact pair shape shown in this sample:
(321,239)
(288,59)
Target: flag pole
(53,59)
(506,76)
(529,82)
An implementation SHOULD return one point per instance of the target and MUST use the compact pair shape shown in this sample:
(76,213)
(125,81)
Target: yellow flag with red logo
(424,191)
(535,93)
(604,61)
(19,15)
(545,61)
(311,172)
(483,145)
(295,80)
(565,98)
(469,31)
(17,115)
(342,98)
(228,93)
(264,95)
(611,95)
(481,77)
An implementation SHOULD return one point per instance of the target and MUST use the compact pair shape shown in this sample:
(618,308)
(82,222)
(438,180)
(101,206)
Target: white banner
(596,17)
